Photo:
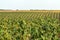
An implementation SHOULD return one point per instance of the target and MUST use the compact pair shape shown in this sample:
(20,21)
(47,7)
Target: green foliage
(36,29)
(29,26)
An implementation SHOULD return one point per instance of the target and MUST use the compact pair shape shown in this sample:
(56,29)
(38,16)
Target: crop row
(36,29)
(30,15)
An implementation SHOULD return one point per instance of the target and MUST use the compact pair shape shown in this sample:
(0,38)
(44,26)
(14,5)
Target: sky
(30,4)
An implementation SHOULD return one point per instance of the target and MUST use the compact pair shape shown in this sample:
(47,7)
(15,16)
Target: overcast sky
(29,4)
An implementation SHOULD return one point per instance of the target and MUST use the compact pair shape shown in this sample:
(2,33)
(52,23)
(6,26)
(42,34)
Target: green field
(30,15)
(29,26)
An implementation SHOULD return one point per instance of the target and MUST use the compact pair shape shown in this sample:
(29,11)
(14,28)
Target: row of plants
(43,28)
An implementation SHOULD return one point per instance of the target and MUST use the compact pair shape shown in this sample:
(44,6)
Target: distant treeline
(1,9)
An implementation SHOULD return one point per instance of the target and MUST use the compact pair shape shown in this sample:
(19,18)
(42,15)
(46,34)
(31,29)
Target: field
(29,25)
